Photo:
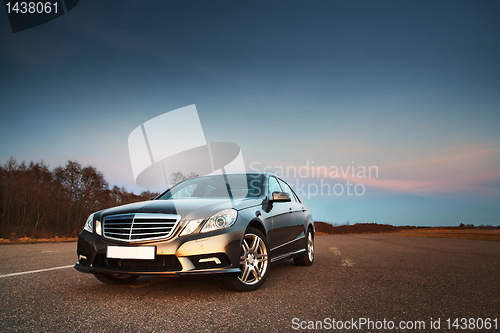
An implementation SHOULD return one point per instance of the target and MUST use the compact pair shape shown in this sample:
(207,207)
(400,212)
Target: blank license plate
(125,252)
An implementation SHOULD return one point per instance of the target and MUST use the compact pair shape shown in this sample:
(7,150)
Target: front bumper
(174,256)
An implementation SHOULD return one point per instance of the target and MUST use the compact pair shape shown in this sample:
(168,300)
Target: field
(487,233)
(37,240)
(475,234)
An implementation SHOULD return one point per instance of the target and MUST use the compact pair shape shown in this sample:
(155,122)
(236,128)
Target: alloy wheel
(253,260)
(310,246)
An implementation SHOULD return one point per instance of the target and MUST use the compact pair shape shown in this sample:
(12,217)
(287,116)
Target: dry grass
(38,240)
(474,234)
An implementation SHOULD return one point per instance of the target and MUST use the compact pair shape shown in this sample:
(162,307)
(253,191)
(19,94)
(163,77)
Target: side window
(287,189)
(273,185)
(208,190)
(296,197)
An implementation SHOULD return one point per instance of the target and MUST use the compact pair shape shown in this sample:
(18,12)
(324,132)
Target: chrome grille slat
(148,228)
(152,222)
(152,228)
(139,226)
(147,233)
(154,225)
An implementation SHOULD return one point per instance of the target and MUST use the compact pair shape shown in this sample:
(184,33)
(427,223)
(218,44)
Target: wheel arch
(257,224)
(310,226)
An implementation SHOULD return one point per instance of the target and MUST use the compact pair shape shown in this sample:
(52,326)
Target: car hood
(186,208)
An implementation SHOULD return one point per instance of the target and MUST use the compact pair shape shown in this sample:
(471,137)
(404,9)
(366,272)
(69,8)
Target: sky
(411,88)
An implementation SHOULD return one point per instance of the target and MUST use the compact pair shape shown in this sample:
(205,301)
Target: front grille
(162,263)
(139,226)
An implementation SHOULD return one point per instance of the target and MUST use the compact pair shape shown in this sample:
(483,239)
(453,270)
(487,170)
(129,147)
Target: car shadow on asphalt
(179,285)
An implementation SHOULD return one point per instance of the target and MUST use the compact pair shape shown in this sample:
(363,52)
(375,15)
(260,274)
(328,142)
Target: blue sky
(410,87)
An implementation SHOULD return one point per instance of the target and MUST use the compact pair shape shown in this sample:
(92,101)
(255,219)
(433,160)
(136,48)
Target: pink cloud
(462,169)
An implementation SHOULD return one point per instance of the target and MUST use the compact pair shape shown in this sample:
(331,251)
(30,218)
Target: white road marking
(36,271)
(346,262)
(335,251)
(343,262)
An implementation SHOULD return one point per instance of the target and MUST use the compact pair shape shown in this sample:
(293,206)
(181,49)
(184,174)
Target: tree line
(371,228)
(38,202)
(358,228)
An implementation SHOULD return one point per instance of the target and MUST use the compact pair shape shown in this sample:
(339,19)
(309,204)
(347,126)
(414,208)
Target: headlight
(191,227)
(89,224)
(221,220)
(98,227)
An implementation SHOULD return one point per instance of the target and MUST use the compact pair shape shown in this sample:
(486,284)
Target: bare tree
(177,177)
(38,202)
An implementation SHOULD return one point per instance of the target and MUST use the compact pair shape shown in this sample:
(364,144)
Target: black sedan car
(229,226)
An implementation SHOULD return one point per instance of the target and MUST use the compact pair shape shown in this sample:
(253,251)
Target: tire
(308,258)
(116,278)
(254,263)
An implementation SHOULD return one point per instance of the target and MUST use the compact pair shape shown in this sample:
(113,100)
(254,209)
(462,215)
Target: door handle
(303,209)
(290,210)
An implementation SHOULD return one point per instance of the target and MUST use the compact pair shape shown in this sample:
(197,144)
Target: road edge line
(35,271)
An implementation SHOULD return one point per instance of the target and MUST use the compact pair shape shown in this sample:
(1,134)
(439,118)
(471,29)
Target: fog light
(214,259)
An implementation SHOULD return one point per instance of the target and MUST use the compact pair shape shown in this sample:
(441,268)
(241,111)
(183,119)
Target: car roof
(239,173)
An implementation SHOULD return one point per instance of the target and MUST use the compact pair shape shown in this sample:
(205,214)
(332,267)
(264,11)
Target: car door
(295,229)
(280,216)
(283,220)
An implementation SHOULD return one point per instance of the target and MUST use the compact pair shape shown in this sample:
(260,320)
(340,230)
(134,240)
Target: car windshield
(238,186)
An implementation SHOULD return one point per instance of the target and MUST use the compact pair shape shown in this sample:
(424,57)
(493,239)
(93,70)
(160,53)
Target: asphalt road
(375,277)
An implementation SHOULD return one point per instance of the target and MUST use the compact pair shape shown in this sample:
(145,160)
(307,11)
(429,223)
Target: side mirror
(281,197)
